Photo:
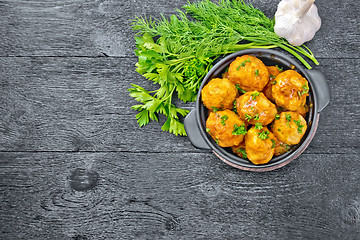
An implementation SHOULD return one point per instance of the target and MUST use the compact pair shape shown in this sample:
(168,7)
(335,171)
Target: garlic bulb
(297,21)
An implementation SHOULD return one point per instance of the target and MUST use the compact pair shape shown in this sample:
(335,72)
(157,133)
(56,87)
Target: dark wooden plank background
(75,165)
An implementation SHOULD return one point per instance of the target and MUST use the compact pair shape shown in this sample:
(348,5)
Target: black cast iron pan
(318,99)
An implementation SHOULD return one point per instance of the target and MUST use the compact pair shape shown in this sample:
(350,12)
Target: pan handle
(193,131)
(321,88)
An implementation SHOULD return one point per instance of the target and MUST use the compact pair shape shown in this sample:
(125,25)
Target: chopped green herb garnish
(215,109)
(207,129)
(299,125)
(248,117)
(234,106)
(217,141)
(243,152)
(256,72)
(223,119)
(306,107)
(254,95)
(274,82)
(239,88)
(304,91)
(279,130)
(243,64)
(256,117)
(279,68)
(239,130)
(287,147)
(277,117)
(273,143)
(263,135)
(288,119)
(271,76)
(258,126)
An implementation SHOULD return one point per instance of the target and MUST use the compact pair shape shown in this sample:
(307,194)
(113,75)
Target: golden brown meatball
(289,128)
(254,107)
(249,72)
(240,150)
(302,110)
(290,90)
(225,74)
(257,157)
(260,144)
(219,93)
(281,148)
(267,91)
(226,128)
(273,72)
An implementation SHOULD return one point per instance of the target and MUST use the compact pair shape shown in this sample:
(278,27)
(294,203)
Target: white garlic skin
(294,25)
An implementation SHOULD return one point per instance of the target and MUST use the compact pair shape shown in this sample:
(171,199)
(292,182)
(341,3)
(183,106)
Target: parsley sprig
(153,105)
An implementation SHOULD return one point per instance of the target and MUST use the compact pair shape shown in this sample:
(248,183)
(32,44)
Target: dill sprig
(248,22)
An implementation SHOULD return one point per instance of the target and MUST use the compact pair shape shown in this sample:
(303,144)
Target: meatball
(267,91)
(281,148)
(259,144)
(290,90)
(219,93)
(302,110)
(289,128)
(249,72)
(226,128)
(273,72)
(257,157)
(254,107)
(225,74)
(240,150)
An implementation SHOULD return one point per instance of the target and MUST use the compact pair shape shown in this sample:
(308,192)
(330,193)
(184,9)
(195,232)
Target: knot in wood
(83,180)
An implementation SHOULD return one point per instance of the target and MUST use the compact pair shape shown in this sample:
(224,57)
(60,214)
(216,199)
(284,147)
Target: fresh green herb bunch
(185,49)
(247,22)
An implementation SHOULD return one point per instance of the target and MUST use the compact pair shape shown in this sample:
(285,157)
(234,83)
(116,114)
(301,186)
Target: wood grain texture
(103,27)
(81,104)
(75,165)
(212,200)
